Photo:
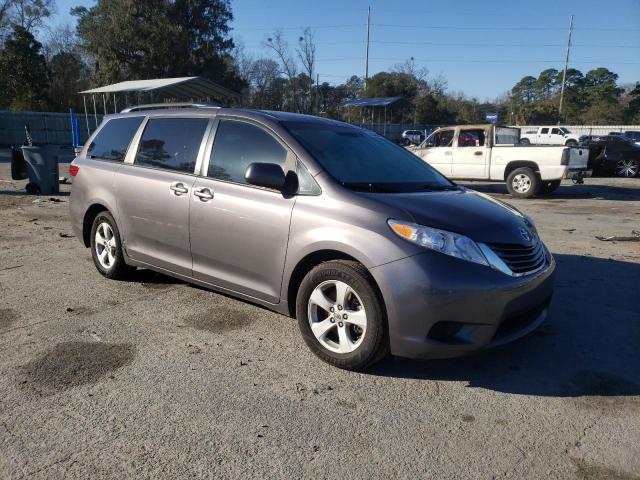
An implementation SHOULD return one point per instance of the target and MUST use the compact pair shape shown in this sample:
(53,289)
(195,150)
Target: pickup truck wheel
(524,141)
(627,168)
(523,183)
(549,187)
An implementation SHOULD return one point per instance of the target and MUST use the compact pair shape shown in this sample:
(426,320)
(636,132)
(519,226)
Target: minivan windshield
(363,160)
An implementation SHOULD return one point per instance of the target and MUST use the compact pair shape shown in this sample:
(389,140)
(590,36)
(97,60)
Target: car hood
(463,211)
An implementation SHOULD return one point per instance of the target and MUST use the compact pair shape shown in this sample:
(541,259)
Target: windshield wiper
(370,187)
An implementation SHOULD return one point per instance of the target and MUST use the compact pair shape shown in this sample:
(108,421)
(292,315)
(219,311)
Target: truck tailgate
(578,158)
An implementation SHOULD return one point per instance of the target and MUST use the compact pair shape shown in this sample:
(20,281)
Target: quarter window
(113,139)
(171,143)
(239,144)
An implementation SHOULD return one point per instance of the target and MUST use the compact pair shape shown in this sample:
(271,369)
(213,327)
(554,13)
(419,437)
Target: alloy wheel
(337,316)
(105,245)
(627,168)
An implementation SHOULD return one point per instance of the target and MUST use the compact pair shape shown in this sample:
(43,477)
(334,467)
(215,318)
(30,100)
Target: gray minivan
(370,248)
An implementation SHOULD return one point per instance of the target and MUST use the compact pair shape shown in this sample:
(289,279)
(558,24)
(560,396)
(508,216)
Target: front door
(239,232)
(154,192)
(437,151)
(470,154)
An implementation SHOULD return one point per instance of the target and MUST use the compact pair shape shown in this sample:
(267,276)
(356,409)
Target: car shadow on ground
(603,192)
(588,346)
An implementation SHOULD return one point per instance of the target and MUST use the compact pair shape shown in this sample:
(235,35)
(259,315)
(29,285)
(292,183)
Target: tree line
(43,68)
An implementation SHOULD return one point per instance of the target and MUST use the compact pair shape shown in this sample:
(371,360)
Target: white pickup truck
(549,136)
(489,152)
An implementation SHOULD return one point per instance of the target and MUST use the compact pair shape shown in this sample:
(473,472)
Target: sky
(482,48)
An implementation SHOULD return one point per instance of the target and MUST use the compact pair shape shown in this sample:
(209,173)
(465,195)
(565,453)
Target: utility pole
(564,73)
(317,93)
(366,52)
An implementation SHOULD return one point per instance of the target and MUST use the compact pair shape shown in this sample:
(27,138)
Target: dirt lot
(154,378)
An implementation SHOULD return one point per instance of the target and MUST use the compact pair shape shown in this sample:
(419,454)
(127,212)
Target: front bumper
(471,306)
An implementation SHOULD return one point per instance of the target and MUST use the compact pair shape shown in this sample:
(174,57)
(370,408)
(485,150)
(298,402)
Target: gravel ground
(155,378)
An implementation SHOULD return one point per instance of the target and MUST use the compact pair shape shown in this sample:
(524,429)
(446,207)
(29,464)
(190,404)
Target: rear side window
(171,143)
(239,144)
(471,138)
(544,130)
(113,139)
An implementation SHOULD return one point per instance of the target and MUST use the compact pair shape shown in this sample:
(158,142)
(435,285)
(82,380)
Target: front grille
(520,259)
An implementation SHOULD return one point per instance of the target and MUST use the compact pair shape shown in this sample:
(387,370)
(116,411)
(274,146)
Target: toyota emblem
(525,234)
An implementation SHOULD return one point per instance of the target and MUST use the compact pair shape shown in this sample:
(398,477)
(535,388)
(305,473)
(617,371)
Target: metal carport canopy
(373,102)
(190,87)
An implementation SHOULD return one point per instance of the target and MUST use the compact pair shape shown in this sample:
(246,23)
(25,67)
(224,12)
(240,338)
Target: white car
(489,152)
(549,135)
(414,137)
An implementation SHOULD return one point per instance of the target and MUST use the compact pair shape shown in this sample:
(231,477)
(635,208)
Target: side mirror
(267,175)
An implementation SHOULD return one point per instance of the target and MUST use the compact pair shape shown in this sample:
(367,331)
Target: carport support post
(104,103)
(385,121)
(95,110)
(86,116)
(115,105)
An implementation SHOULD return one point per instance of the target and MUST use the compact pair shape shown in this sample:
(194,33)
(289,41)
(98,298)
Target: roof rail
(158,106)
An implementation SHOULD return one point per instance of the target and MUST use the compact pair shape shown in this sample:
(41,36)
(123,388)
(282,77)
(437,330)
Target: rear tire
(523,182)
(627,168)
(106,248)
(549,187)
(525,141)
(341,301)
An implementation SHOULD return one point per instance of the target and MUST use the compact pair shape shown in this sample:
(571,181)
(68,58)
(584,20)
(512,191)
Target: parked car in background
(412,137)
(370,248)
(489,152)
(612,155)
(549,136)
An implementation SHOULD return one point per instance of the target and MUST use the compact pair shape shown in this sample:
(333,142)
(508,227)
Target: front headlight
(439,240)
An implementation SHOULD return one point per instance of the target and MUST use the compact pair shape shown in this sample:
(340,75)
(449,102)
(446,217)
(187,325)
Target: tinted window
(171,143)
(556,131)
(113,139)
(544,130)
(239,144)
(362,160)
(471,138)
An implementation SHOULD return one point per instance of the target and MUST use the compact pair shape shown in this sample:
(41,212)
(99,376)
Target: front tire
(341,315)
(106,248)
(523,183)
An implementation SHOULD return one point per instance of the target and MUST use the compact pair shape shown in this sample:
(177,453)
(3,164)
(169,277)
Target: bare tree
(279,46)
(31,14)
(307,54)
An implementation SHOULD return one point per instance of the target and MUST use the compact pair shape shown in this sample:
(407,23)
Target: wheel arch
(310,261)
(87,221)
(511,166)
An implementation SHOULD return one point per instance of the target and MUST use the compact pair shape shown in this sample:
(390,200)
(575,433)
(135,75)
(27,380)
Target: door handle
(178,188)
(448,153)
(204,194)
(477,153)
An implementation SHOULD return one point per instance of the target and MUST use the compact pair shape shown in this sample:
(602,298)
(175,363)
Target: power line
(518,28)
(475,60)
